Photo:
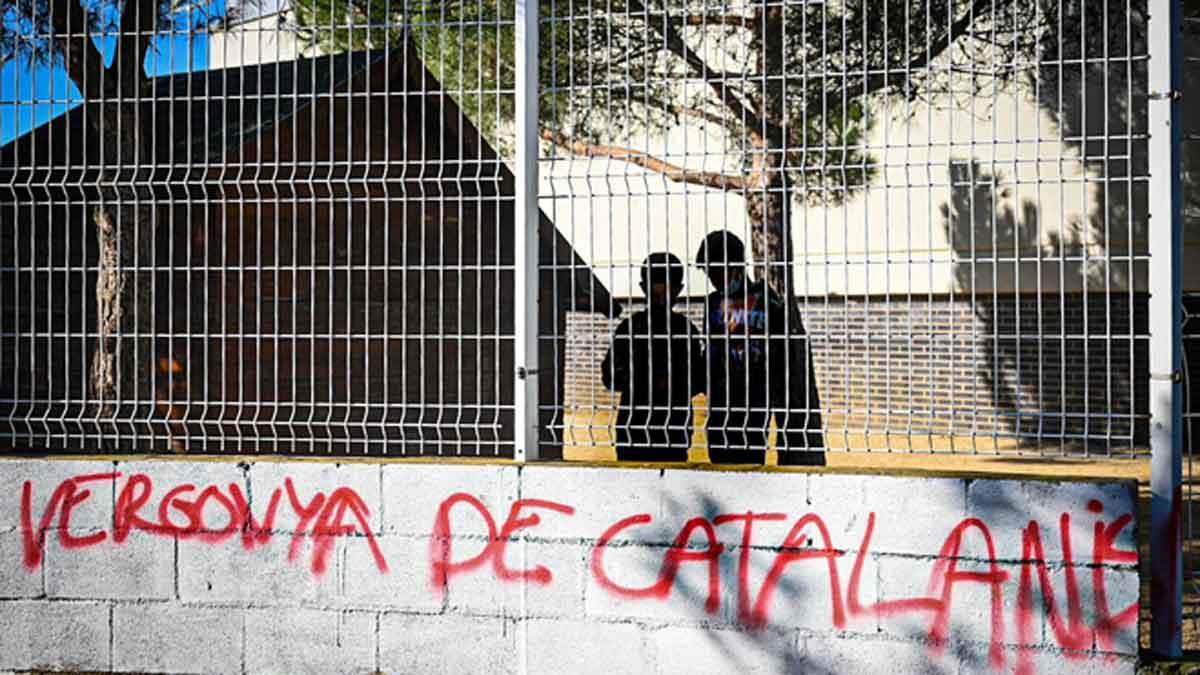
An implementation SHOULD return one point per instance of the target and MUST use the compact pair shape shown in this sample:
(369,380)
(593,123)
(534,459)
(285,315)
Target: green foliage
(468,46)
(810,77)
(27,30)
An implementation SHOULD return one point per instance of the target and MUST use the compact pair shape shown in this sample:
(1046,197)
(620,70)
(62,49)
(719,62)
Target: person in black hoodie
(757,365)
(656,363)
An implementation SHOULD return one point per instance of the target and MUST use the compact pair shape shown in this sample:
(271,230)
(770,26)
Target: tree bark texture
(768,206)
(122,362)
(769,213)
(122,368)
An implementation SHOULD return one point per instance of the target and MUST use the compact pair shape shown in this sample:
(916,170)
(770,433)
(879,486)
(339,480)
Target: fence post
(1166,322)
(525,259)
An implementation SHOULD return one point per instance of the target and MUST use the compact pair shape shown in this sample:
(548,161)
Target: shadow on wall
(1057,346)
(1092,81)
(776,651)
(1064,353)
(802,594)
(1101,109)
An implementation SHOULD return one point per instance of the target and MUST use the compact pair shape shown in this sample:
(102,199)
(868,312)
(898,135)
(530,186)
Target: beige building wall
(975,195)
(971,195)
(264,39)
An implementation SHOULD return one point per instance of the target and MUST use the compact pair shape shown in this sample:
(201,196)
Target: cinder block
(141,567)
(971,603)
(1065,661)
(450,644)
(556,646)
(309,641)
(16,581)
(44,477)
(1008,506)
(412,494)
(697,650)
(190,479)
(802,596)
(690,494)
(1122,589)
(308,479)
(43,635)
(841,502)
(601,497)
(976,658)
(913,515)
(481,592)
(407,583)
(228,573)
(854,654)
(172,638)
(637,567)
(806,595)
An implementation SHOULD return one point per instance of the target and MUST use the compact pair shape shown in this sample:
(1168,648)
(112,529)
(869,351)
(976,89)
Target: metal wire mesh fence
(932,222)
(1191,434)
(1189,156)
(298,245)
(767,228)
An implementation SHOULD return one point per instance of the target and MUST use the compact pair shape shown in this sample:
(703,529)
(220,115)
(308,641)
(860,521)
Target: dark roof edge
(372,57)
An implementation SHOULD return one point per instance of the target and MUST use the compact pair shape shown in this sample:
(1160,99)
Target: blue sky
(32,93)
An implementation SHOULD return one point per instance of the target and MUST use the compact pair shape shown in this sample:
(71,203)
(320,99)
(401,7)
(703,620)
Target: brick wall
(1041,370)
(228,566)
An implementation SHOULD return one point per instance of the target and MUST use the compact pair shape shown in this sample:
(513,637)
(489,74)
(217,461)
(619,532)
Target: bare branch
(204,7)
(725,78)
(702,20)
(960,27)
(672,172)
(700,69)
(83,61)
(701,114)
(676,110)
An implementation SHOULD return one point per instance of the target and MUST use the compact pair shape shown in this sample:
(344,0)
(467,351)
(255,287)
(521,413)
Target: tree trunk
(121,377)
(769,212)
(769,204)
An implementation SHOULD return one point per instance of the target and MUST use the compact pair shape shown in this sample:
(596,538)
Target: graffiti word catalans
(322,518)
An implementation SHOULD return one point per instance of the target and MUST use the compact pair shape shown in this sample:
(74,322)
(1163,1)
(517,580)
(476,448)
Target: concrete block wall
(230,566)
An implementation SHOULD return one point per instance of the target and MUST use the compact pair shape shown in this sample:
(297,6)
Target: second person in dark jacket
(758,365)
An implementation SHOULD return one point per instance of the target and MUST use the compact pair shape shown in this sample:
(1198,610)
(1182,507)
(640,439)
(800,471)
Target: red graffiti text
(180,512)
(808,541)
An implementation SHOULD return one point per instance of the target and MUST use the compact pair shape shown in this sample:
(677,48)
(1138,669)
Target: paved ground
(589,437)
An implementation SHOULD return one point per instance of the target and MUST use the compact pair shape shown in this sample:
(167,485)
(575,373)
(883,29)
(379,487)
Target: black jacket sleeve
(698,361)
(615,369)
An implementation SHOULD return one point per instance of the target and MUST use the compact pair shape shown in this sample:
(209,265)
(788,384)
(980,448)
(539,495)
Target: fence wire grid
(764,230)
